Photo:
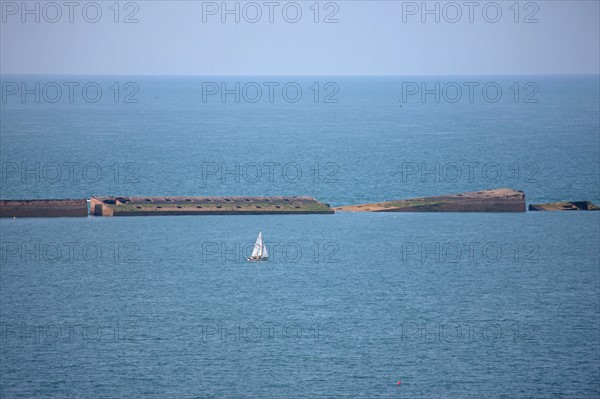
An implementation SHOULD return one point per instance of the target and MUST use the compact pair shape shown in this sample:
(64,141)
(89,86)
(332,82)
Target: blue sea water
(368,146)
(450,305)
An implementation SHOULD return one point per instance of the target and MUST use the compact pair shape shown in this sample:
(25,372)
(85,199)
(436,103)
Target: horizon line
(293,75)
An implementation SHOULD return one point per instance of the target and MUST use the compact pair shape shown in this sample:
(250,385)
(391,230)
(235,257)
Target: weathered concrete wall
(43,208)
(498,200)
(147,206)
(99,208)
(565,206)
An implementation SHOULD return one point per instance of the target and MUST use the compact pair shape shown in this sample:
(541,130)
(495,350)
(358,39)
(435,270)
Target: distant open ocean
(450,305)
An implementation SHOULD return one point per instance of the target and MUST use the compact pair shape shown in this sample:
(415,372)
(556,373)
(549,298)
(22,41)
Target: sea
(373,305)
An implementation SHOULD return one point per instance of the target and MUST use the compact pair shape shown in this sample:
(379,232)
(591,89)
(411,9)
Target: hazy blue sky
(370,38)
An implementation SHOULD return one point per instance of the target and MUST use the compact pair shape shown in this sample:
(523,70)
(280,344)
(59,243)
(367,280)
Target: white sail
(258,247)
(264,254)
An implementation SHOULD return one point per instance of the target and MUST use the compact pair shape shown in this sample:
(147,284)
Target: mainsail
(257,251)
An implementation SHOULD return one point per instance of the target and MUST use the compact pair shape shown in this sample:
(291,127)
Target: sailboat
(259,253)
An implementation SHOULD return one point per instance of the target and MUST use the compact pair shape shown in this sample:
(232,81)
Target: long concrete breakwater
(157,206)
(149,206)
(496,200)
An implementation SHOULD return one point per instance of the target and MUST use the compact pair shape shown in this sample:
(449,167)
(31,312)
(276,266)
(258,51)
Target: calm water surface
(451,305)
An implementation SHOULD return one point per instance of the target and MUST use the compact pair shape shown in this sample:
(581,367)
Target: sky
(300,38)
